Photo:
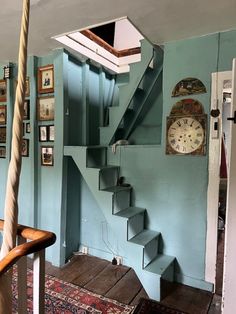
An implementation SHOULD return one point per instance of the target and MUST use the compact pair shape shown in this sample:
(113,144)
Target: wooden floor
(121,283)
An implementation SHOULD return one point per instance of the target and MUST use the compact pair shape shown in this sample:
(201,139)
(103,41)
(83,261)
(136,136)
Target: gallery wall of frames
(57,92)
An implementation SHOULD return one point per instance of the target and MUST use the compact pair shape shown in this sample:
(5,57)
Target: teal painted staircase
(140,246)
(133,94)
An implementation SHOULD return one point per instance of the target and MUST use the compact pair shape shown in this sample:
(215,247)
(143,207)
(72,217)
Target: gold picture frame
(46,79)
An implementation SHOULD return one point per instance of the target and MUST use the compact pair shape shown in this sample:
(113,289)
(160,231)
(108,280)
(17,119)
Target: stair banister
(30,240)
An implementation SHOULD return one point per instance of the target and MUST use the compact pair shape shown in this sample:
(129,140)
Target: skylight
(106,44)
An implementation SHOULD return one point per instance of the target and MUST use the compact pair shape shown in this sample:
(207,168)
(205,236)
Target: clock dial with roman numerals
(186,135)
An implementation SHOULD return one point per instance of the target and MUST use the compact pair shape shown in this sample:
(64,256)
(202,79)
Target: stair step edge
(103,167)
(130,212)
(160,264)
(144,237)
(116,189)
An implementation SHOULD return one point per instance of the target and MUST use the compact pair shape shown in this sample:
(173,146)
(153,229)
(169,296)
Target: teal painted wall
(174,188)
(50,197)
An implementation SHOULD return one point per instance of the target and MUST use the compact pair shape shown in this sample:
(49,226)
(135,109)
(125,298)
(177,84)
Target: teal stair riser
(135,225)
(121,200)
(107,178)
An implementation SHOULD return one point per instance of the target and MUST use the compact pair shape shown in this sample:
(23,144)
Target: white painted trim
(91,54)
(214,178)
(39,282)
(229,280)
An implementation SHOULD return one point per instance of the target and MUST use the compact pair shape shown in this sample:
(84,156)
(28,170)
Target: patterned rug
(147,306)
(65,298)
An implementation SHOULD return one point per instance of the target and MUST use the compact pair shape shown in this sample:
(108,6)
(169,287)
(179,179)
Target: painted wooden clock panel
(186,135)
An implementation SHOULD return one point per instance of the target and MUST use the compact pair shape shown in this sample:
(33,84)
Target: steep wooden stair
(139,246)
(133,93)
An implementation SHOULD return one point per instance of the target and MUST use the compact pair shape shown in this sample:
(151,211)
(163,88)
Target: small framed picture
(27,128)
(23,129)
(3,134)
(51,133)
(46,108)
(2,152)
(27,87)
(25,148)
(3,114)
(26,114)
(47,156)
(46,79)
(43,133)
(3,90)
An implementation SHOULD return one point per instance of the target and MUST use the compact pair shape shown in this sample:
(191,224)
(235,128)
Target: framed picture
(27,128)
(43,133)
(23,129)
(27,87)
(3,90)
(25,148)
(26,114)
(47,156)
(46,79)
(46,108)
(2,152)
(3,134)
(51,133)
(3,114)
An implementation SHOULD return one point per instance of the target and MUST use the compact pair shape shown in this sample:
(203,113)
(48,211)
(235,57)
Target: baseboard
(193,282)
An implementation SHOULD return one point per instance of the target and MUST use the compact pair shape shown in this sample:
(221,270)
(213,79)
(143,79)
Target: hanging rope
(11,204)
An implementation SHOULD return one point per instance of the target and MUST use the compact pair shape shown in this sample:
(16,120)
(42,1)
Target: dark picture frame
(3,90)
(43,133)
(3,151)
(51,133)
(45,108)
(3,114)
(3,134)
(25,147)
(47,156)
(27,127)
(46,79)
(26,114)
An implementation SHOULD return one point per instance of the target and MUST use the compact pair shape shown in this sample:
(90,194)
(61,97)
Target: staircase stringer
(154,75)
(133,252)
(137,71)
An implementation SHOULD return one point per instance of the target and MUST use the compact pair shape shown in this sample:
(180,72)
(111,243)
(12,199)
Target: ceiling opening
(113,44)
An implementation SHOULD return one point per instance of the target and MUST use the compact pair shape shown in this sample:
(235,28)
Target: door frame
(214,175)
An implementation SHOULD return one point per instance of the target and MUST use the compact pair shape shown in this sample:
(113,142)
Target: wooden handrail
(118,53)
(39,240)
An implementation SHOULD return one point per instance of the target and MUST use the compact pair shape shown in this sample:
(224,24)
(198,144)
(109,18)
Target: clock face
(185,135)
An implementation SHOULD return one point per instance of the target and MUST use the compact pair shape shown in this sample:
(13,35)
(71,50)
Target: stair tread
(145,237)
(130,212)
(160,264)
(103,167)
(116,188)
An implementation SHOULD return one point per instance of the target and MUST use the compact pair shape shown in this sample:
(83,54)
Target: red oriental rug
(65,298)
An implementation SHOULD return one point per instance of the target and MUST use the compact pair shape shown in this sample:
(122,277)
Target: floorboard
(106,279)
(121,283)
(126,288)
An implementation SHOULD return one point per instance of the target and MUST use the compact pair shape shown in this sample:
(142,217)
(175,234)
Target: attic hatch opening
(114,44)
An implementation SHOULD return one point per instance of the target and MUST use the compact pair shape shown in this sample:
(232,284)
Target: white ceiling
(159,20)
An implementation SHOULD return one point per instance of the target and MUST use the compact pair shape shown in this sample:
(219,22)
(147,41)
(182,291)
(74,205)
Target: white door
(229,283)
